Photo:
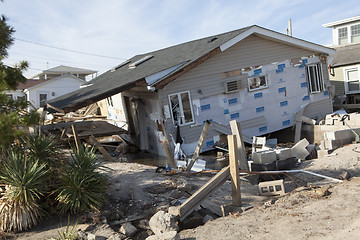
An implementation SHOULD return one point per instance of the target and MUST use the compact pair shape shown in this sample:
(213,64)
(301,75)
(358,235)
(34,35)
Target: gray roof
(123,78)
(179,58)
(346,55)
(66,69)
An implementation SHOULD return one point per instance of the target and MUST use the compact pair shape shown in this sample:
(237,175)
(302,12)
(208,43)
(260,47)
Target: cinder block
(283,153)
(299,149)
(322,153)
(332,144)
(262,157)
(272,188)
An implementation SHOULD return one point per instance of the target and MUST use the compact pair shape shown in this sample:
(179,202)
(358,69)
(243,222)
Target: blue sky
(124,28)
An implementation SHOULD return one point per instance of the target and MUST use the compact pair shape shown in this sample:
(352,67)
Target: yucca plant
(82,187)
(23,178)
(40,146)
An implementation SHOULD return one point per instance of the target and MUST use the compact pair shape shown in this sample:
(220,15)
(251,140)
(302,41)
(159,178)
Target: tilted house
(257,76)
(345,66)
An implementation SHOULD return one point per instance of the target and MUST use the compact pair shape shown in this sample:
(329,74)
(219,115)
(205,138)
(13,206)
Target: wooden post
(103,151)
(76,137)
(236,130)
(192,202)
(166,145)
(234,170)
(199,145)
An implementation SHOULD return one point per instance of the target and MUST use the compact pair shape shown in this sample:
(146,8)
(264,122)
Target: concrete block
(272,188)
(283,153)
(345,135)
(322,153)
(262,157)
(332,144)
(128,229)
(299,149)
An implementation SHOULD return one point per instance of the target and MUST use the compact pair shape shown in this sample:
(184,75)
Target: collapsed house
(253,75)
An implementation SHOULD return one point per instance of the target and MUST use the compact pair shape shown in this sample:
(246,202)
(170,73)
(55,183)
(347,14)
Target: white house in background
(51,83)
(345,66)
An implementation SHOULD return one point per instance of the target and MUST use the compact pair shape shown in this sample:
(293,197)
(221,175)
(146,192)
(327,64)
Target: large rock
(163,222)
(172,235)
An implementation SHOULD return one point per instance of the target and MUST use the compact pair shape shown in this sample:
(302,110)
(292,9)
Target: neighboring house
(50,84)
(256,76)
(345,67)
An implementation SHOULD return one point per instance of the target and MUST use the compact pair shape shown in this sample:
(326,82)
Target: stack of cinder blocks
(272,159)
(339,130)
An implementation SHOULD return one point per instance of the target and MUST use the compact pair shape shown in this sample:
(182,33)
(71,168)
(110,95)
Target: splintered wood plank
(192,202)
(103,151)
(76,137)
(236,130)
(166,145)
(199,145)
(234,170)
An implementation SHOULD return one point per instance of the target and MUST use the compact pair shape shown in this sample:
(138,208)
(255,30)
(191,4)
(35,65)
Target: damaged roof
(158,68)
(346,55)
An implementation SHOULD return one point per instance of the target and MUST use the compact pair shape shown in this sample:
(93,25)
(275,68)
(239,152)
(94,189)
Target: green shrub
(82,186)
(23,178)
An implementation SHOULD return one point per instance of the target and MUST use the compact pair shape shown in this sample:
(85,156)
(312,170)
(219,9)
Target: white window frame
(319,78)
(346,80)
(349,36)
(110,102)
(181,108)
(344,37)
(260,87)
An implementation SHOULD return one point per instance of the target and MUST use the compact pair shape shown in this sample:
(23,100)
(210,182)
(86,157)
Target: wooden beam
(166,145)
(234,170)
(199,145)
(103,151)
(76,137)
(55,108)
(195,200)
(236,130)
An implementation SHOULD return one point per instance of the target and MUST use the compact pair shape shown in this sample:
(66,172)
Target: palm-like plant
(82,186)
(23,179)
(40,147)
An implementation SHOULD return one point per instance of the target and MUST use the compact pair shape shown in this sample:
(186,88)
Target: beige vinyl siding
(206,77)
(319,109)
(338,81)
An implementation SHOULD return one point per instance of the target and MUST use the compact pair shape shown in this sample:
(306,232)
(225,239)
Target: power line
(68,50)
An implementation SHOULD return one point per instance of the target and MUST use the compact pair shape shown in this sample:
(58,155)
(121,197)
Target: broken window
(352,80)
(256,83)
(181,109)
(314,77)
